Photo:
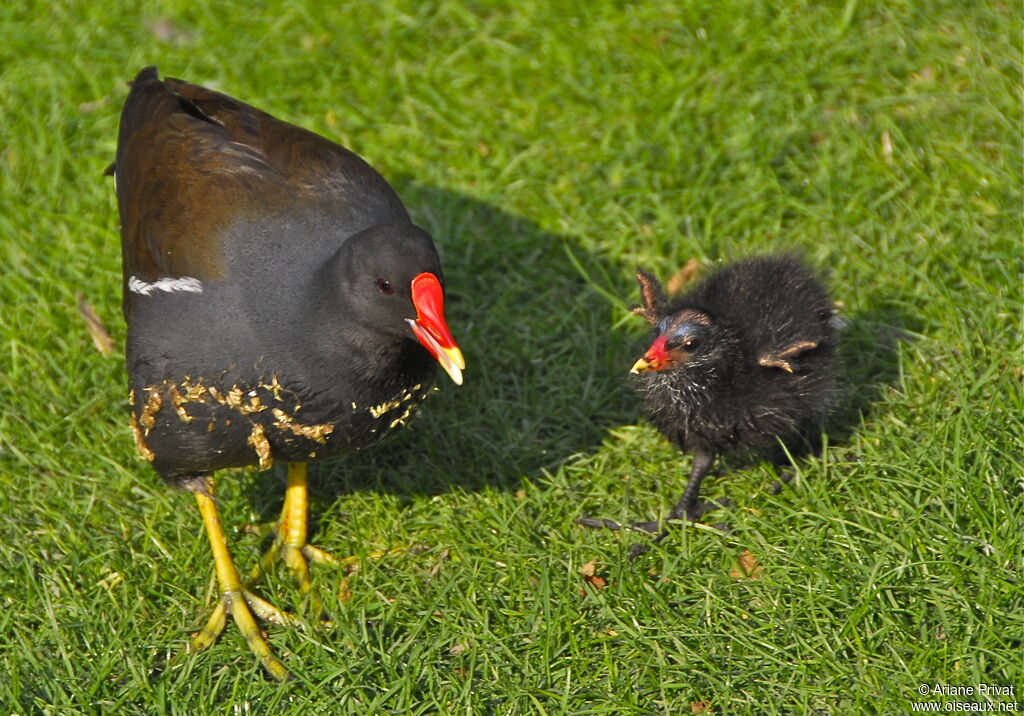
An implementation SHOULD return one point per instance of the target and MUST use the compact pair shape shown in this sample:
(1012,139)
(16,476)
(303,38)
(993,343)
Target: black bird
(739,363)
(281,306)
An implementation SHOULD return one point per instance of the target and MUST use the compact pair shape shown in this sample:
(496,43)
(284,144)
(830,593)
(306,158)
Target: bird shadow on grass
(545,377)
(869,364)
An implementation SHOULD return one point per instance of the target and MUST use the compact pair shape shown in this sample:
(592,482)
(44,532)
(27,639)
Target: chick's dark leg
(291,535)
(235,598)
(687,506)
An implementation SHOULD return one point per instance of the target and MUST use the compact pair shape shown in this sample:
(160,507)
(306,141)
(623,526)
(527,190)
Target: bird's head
(688,338)
(391,279)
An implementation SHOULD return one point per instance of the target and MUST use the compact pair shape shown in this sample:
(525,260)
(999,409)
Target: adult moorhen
(281,306)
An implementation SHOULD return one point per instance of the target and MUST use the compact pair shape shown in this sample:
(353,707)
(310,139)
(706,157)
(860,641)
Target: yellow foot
(297,557)
(243,605)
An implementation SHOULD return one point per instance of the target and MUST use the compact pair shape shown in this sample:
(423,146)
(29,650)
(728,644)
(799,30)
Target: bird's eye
(691,344)
(385,286)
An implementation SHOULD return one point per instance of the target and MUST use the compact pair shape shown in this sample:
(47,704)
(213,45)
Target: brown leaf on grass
(701,707)
(925,76)
(589,573)
(460,647)
(441,559)
(93,106)
(100,338)
(165,30)
(887,145)
(344,591)
(683,277)
(746,567)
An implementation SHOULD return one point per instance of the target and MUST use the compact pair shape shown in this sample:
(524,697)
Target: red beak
(656,357)
(430,328)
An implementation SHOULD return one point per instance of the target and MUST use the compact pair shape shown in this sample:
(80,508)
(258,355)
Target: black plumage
(281,306)
(743,361)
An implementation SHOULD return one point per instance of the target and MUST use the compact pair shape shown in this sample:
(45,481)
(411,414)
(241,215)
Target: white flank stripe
(168,284)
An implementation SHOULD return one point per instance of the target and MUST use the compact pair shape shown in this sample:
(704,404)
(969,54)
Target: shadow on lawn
(545,376)
(869,364)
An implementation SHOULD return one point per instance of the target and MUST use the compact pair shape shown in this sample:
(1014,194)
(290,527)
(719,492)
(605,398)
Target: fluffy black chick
(739,363)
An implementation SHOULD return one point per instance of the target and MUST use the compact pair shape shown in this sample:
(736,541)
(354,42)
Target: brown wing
(190,160)
(782,359)
(180,178)
(312,164)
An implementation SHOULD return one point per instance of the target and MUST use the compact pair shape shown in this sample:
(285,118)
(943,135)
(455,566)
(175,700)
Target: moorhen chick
(281,306)
(741,363)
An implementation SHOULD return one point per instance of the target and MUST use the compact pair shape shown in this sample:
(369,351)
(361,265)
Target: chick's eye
(691,344)
(385,286)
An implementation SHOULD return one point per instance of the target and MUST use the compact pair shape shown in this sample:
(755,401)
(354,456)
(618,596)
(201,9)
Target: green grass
(549,149)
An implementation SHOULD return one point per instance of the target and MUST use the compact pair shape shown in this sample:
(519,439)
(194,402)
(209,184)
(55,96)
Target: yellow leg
(234,597)
(290,540)
(292,529)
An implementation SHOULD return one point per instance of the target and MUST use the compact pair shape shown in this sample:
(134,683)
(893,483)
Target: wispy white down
(168,284)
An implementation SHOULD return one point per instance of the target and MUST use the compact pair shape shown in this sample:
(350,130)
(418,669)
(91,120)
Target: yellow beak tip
(453,363)
(640,366)
(457,358)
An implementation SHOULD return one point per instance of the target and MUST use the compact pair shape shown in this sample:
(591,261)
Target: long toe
(598,523)
(702,507)
(244,606)
(652,526)
(298,558)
